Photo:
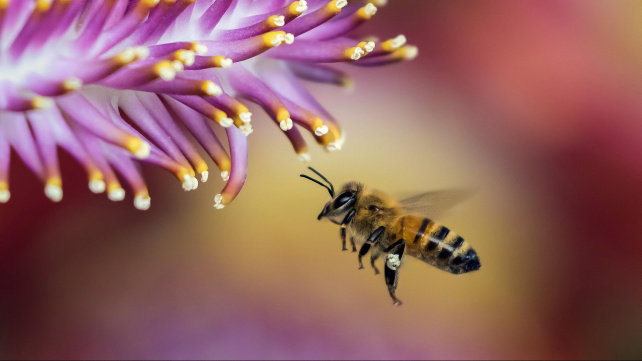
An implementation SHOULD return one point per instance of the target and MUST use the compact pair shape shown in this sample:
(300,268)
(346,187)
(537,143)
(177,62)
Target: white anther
(128,55)
(143,151)
(200,49)
(289,38)
(393,261)
(305,157)
(53,192)
(226,122)
(321,130)
(141,52)
(204,176)
(246,117)
(72,83)
(187,182)
(246,129)
(225,175)
(379,2)
(178,67)
(212,89)
(96,186)
(356,53)
(226,63)
(278,40)
(303,6)
(370,46)
(286,124)
(336,145)
(341,3)
(194,182)
(116,195)
(167,73)
(399,41)
(371,9)
(142,203)
(411,52)
(217,201)
(5,195)
(187,57)
(279,20)
(42,103)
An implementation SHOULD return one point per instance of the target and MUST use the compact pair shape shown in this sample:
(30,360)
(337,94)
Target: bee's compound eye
(343,198)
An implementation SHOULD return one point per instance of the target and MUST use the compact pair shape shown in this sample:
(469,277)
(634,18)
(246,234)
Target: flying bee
(380,224)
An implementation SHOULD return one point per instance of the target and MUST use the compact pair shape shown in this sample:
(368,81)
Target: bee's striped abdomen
(438,245)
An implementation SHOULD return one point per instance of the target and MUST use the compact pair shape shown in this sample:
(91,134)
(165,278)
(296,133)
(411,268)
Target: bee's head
(337,207)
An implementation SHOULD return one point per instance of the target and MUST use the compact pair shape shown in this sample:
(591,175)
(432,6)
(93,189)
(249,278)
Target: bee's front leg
(391,270)
(373,239)
(344,224)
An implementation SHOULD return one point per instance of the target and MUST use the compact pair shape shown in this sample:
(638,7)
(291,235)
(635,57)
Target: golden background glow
(500,101)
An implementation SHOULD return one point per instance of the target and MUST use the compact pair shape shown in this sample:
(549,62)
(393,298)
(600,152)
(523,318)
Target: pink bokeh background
(534,104)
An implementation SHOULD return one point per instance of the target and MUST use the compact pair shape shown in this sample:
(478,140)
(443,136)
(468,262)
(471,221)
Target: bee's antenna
(331,191)
(324,178)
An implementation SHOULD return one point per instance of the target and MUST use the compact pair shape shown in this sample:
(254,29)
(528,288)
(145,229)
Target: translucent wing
(434,204)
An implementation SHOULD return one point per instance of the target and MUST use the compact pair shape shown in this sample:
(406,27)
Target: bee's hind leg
(374,255)
(391,270)
(373,239)
(344,224)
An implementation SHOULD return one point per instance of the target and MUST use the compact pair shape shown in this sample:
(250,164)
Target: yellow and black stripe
(437,245)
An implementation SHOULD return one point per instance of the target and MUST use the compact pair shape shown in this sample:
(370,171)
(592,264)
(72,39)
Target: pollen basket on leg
(116,83)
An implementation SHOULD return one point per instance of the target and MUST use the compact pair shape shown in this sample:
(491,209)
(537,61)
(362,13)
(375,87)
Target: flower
(118,81)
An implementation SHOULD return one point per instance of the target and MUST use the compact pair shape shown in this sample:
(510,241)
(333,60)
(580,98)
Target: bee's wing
(434,204)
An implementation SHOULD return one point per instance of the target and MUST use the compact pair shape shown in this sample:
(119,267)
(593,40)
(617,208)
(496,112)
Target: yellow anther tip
(354,53)
(198,48)
(282,114)
(41,102)
(335,6)
(187,57)
(367,11)
(276,21)
(95,175)
(210,88)
(222,62)
(298,7)
(72,84)
(43,5)
(201,166)
(138,147)
(274,38)
(54,182)
(378,2)
(166,70)
(407,52)
(149,3)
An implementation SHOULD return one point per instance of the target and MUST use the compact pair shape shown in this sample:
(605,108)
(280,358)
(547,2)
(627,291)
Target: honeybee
(380,224)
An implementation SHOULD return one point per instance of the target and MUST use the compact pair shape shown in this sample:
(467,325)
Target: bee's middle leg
(391,270)
(373,239)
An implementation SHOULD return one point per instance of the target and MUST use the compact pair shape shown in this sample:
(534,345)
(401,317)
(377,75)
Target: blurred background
(534,104)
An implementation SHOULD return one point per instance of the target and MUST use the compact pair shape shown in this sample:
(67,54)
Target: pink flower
(116,82)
